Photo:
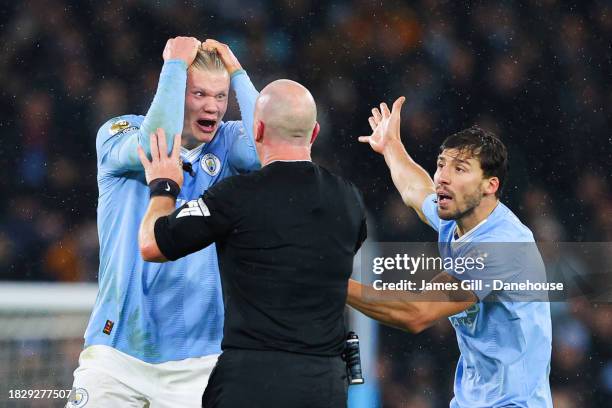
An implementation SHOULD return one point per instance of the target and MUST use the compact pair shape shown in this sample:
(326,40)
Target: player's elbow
(416,325)
(413,196)
(149,251)
(414,321)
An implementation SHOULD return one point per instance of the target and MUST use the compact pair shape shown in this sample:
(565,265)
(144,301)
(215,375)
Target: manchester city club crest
(211,164)
(78,398)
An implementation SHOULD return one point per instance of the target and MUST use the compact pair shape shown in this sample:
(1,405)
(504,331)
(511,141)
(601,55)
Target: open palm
(385,126)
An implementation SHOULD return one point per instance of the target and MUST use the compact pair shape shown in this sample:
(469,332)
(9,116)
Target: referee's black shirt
(286,236)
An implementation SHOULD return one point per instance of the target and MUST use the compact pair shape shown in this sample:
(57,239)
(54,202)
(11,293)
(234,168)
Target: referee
(286,236)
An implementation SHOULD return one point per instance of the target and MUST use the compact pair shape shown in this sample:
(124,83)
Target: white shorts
(109,378)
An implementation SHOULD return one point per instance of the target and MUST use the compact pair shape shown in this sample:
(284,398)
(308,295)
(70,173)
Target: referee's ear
(315,132)
(259,131)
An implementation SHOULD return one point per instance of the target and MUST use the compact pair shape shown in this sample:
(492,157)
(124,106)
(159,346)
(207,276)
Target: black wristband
(164,187)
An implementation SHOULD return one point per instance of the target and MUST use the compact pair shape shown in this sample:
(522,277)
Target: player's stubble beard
(471,202)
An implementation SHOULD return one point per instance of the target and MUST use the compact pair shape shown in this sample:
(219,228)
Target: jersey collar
(468,235)
(193,154)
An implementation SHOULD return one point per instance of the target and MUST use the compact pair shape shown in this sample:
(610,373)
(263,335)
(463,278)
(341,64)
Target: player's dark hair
(484,146)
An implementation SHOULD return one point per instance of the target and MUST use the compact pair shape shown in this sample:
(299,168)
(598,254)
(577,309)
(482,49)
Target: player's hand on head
(227,56)
(385,126)
(162,165)
(183,48)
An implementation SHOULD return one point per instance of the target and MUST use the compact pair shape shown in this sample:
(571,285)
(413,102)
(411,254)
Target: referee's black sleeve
(363,228)
(197,224)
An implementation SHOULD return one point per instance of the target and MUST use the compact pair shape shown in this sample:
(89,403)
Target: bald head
(287,111)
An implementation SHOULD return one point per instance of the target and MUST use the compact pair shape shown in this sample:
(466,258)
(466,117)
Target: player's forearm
(167,112)
(410,179)
(243,154)
(401,314)
(158,207)
(246,95)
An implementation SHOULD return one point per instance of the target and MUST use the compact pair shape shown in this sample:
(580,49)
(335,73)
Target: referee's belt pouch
(352,358)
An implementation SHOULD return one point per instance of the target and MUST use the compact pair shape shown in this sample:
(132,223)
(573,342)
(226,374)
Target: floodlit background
(537,73)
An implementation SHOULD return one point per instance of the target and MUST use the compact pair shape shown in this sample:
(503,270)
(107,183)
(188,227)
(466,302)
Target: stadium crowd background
(538,73)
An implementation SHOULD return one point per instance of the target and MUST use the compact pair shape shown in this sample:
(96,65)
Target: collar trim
(193,154)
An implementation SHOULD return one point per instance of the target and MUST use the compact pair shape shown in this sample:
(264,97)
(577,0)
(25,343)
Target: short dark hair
(486,147)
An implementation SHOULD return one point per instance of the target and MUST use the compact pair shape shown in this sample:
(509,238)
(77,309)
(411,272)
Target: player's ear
(492,185)
(259,131)
(315,132)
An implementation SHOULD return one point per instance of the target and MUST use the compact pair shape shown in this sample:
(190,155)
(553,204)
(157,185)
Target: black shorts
(269,379)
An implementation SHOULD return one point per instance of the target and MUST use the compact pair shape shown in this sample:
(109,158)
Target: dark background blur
(537,73)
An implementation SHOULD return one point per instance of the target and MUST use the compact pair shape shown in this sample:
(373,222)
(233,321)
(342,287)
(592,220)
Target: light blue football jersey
(160,312)
(505,344)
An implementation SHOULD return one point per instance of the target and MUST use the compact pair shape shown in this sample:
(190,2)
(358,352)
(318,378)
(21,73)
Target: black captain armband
(164,187)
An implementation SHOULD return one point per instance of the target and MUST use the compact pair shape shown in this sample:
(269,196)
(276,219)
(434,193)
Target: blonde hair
(208,61)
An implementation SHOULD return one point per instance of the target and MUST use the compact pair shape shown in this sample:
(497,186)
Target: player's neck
(466,223)
(189,142)
(285,153)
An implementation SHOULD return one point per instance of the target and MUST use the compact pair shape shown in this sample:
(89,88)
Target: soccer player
(285,252)
(505,345)
(155,330)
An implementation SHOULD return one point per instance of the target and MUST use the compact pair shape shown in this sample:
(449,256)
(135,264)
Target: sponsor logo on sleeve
(127,130)
(120,127)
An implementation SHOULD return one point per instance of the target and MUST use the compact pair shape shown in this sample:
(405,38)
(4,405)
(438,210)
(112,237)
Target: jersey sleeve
(117,140)
(430,210)
(196,224)
(243,155)
(114,141)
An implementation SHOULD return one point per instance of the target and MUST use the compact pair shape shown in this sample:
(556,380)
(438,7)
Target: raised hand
(227,56)
(385,126)
(184,48)
(162,165)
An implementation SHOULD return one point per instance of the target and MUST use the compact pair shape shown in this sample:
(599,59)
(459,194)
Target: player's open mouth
(206,125)
(444,198)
